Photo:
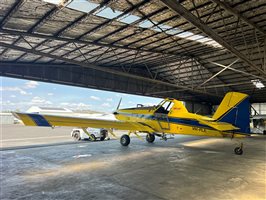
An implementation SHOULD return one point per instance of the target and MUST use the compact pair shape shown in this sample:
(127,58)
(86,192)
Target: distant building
(7,118)
(49,110)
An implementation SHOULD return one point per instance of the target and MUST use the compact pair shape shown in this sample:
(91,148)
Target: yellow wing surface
(30,119)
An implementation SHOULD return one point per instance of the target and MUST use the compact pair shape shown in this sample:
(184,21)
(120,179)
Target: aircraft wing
(220,126)
(30,119)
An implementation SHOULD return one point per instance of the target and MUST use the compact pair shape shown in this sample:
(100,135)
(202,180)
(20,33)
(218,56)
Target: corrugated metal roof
(185,45)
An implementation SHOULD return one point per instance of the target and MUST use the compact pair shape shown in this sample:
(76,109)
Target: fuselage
(177,120)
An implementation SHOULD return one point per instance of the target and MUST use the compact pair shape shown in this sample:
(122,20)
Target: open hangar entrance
(195,51)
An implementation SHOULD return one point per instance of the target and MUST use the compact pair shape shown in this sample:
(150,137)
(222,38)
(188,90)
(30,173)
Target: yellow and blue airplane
(231,119)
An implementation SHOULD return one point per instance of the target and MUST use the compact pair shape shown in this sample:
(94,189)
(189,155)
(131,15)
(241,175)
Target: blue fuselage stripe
(39,120)
(170,120)
(187,122)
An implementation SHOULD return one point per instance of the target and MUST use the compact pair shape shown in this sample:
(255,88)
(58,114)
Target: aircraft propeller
(115,112)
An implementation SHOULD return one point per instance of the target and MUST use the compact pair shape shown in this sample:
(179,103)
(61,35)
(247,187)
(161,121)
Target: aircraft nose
(115,113)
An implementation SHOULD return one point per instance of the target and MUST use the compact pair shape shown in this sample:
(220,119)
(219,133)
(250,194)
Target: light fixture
(258,83)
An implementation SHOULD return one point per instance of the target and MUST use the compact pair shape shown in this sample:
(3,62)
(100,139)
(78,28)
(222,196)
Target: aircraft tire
(76,136)
(103,135)
(150,138)
(125,140)
(238,151)
(93,138)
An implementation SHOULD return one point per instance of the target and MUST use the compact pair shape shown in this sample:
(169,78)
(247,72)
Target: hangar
(195,51)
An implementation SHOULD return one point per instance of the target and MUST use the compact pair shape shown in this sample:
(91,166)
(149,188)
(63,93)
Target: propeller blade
(119,103)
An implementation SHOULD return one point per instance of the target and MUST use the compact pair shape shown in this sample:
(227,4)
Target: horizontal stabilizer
(220,126)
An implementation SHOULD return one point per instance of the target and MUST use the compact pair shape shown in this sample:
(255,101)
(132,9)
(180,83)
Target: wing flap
(30,119)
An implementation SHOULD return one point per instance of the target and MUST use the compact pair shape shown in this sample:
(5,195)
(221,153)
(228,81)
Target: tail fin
(234,109)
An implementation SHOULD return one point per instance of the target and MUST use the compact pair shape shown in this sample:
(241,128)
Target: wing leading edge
(30,119)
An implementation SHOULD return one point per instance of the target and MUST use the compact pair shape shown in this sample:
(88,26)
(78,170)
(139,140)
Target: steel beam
(234,12)
(229,84)
(182,11)
(62,39)
(37,25)
(197,62)
(83,17)
(44,19)
(64,3)
(250,75)
(164,92)
(195,46)
(236,70)
(111,20)
(104,69)
(50,14)
(264,53)
(209,70)
(80,19)
(213,76)
(165,21)
(132,24)
(74,75)
(11,11)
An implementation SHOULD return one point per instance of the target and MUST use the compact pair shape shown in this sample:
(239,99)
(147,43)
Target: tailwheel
(125,140)
(150,138)
(239,150)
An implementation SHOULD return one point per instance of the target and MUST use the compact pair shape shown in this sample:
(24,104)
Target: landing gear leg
(112,133)
(239,150)
(164,137)
(91,136)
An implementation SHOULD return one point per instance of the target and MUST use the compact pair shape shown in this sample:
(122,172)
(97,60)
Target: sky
(20,95)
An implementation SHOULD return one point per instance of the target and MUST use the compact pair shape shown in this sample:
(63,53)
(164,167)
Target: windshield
(164,107)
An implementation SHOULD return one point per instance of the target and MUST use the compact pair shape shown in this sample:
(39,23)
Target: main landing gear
(150,137)
(125,140)
(239,150)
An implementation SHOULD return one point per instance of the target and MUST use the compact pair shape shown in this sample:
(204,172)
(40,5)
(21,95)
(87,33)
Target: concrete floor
(183,168)
(17,135)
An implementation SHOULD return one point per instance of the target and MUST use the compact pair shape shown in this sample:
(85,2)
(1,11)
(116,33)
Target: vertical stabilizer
(234,109)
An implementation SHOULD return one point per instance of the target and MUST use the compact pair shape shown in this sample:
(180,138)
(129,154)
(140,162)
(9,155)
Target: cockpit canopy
(170,105)
(164,106)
